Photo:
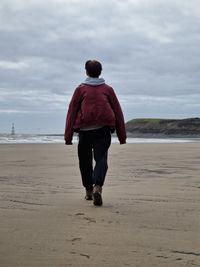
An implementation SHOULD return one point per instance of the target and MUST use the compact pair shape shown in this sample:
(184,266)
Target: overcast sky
(149,49)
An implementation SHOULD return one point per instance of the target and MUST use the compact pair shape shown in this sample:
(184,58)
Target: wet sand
(150,216)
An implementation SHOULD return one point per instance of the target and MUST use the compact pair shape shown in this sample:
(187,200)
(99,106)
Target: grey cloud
(148,48)
(161,107)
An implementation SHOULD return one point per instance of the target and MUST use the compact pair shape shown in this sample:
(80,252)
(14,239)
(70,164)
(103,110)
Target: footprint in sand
(90,220)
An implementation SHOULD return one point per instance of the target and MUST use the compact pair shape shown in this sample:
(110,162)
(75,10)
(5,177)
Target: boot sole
(88,198)
(97,199)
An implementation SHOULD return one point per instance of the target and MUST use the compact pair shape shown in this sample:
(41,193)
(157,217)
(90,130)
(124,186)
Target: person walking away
(94,112)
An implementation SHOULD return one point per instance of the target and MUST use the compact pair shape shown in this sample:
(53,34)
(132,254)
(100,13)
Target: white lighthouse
(13,129)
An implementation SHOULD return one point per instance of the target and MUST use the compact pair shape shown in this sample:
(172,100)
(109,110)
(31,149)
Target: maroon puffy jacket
(94,106)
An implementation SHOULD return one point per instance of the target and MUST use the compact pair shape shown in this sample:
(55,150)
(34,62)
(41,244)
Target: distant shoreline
(129,135)
(159,135)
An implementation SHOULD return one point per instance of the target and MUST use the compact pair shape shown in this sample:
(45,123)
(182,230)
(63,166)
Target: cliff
(164,127)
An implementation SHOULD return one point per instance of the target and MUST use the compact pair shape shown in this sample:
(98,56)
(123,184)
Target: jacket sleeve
(119,118)
(71,116)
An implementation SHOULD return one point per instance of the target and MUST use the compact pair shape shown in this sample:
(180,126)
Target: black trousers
(93,144)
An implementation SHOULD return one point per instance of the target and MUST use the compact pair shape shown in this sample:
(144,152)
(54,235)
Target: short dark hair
(93,68)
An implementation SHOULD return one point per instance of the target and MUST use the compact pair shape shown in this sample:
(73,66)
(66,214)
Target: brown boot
(89,195)
(97,198)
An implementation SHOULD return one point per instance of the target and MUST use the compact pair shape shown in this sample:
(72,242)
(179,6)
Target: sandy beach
(150,216)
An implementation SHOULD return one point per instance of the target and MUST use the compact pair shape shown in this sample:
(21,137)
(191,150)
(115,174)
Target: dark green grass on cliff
(142,121)
(190,126)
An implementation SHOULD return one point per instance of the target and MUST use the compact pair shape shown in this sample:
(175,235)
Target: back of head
(93,68)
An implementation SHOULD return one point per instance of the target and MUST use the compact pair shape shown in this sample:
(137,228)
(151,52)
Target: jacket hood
(94,81)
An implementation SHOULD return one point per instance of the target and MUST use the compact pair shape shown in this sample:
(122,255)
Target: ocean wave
(59,139)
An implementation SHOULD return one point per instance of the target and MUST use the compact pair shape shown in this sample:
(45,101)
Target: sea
(59,139)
